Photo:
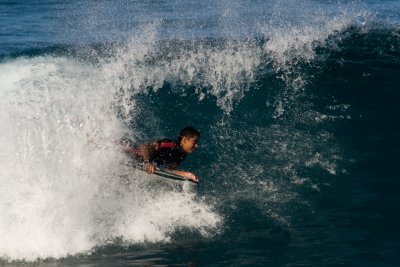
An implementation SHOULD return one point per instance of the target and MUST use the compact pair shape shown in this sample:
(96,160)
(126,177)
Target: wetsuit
(168,152)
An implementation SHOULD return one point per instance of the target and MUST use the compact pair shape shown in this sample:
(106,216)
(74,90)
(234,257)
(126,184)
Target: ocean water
(297,103)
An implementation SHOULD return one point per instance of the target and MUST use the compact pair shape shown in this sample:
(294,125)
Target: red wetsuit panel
(167,145)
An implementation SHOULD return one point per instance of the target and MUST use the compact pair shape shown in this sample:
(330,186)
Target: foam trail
(142,224)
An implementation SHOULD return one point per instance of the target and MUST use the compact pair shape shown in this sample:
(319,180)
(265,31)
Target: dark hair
(188,132)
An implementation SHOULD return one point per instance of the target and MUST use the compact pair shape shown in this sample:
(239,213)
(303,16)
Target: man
(168,153)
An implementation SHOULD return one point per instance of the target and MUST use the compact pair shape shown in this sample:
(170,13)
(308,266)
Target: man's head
(188,139)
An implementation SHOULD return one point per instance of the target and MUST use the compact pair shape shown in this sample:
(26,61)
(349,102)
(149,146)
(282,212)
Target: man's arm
(188,175)
(148,151)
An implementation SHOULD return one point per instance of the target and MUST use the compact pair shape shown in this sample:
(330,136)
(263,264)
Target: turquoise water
(297,103)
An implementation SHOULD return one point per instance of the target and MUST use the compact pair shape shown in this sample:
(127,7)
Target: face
(189,144)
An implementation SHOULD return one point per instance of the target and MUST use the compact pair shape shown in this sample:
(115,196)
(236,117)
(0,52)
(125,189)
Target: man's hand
(190,176)
(150,168)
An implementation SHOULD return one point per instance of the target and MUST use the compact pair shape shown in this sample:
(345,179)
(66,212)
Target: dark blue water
(297,103)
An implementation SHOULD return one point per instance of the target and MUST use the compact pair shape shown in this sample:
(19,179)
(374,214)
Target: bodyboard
(172,176)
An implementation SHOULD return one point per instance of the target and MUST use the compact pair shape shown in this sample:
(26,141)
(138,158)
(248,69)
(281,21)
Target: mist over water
(258,80)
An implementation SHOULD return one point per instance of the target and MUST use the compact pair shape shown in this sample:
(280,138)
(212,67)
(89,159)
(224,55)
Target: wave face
(296,103)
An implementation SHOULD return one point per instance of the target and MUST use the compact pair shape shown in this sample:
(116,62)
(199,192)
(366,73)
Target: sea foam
(66,187)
